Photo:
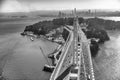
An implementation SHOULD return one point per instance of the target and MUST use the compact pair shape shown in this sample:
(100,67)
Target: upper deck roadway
(75,62)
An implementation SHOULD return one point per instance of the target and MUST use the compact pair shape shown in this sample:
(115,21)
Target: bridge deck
(75,63)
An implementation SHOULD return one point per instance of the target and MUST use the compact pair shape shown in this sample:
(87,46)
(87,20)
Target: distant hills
(55,13)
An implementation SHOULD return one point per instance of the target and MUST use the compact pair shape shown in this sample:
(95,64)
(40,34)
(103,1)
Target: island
(94,28)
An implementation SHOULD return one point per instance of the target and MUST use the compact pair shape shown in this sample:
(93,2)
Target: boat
(31,39)
(48,68)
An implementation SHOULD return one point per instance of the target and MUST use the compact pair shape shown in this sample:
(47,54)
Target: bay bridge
(75,62)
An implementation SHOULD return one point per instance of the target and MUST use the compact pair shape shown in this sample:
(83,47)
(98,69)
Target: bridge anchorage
(75,62)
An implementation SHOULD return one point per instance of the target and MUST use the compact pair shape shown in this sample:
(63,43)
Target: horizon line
(63,10)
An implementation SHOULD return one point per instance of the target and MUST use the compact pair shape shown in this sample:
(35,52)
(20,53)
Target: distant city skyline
(34,5)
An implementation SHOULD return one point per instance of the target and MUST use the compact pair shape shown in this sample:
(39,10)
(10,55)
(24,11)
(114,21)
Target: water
(111,18)
(107,18)
(20,58)
(17,25)
(107,63)
(26,60)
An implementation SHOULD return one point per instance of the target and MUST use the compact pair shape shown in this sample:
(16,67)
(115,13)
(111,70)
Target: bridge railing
(87,54)
(55,72)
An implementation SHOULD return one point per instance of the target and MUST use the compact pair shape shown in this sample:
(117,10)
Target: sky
(33,5)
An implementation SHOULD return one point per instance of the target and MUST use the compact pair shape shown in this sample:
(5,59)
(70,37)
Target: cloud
(54,0)
(1,2)
(32,5)
(70,4)
(13,6)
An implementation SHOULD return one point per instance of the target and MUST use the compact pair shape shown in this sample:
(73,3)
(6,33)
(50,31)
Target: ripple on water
(26,60)
(107,63)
